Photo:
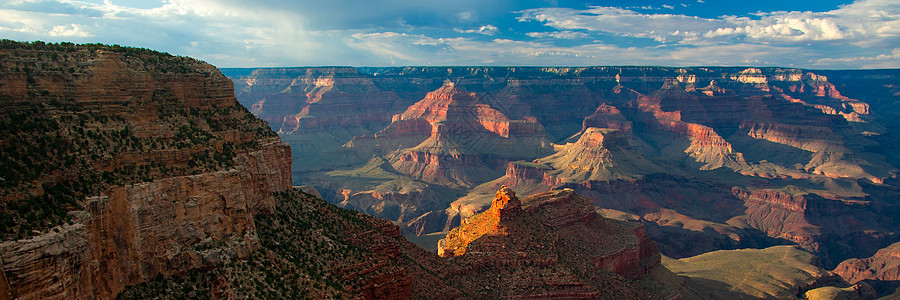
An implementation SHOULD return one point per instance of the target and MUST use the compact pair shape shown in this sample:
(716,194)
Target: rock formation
(599,155)
(130,234)
(153,151)
(607,116)
(693,136)
(456,139)
(881,270)
(450,138)
(550,245)
(318,110)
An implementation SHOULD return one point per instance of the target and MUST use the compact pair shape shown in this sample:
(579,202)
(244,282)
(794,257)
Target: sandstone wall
(132,233)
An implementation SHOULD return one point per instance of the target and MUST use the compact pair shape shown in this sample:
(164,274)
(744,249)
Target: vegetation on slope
(311,249)
(58,144)
(779,272)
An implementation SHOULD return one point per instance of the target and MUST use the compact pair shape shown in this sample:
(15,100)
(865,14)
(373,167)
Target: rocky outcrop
(504,208)
(816,91)
(131,234)
(817,224)
(164,170)
(707,129)
(456,139)
(312,99)
(881,270)
(317,110)
(826,151)
(599,155)
(607,116)
(557,231)
(706,145)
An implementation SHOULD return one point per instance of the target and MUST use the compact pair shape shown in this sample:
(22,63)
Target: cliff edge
(121,164)
(552,245)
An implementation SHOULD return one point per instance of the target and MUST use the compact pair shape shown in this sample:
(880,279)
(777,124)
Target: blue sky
(820,34)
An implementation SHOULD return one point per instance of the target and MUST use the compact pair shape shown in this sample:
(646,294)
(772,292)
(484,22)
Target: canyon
(133,174)
(121,165)
(129,173)
(707,158)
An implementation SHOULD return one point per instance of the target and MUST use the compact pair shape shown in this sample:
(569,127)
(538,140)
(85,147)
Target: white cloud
(73,30)
(413,32)
(270,35)
(884,60)
(404,49)
(565,34)
(864,21)
(391,45)
(736,55)
(620,21)
(485,30)
(782,28)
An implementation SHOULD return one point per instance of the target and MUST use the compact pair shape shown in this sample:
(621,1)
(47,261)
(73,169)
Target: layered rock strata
(155,169)
(552,245)
(706,129)
(131,234)
(881,270)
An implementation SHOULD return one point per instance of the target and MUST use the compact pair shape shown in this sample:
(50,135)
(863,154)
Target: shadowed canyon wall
(707,158)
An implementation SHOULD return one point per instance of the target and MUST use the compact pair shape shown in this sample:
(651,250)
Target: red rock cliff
(550,245)
(450,137)
(131,234)
(204,168)
(883,266)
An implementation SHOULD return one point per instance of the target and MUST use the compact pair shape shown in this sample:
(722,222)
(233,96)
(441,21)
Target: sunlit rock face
(556,236)
(694,153)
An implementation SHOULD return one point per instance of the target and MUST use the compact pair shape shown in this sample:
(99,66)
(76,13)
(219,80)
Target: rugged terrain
(553,245)
(127,172)
(118,163)
(707,158)
(134,174)
(780,272)
(881,270)
(312,249)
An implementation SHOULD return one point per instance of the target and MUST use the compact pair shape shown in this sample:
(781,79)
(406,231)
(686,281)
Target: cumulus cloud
(485,30)
(73,30)
(860,21)
(792,27)
(234,33)
(620,21)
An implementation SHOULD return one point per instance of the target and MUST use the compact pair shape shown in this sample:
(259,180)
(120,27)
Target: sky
(813,34)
